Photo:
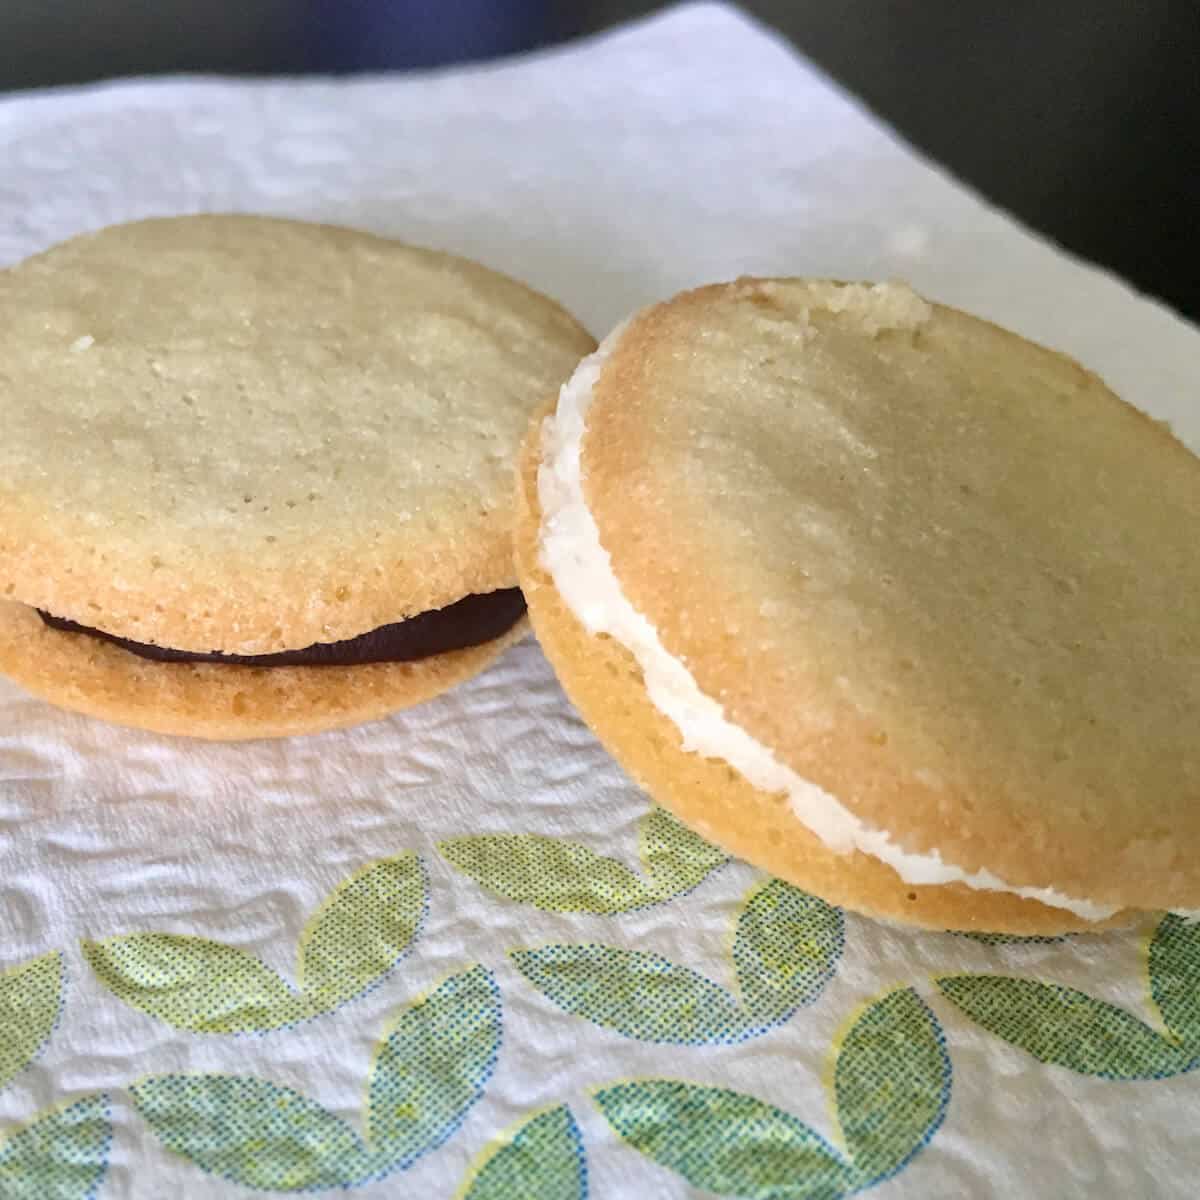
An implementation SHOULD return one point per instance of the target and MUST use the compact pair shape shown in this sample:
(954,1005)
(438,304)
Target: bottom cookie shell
(604,682)
(219,702)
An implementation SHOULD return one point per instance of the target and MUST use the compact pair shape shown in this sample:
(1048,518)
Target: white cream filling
(571,551)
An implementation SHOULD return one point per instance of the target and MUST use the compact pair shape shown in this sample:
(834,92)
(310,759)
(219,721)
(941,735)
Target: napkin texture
(456,951)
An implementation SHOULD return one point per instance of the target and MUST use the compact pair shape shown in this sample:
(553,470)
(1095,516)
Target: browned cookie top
(941,572)
(242,434)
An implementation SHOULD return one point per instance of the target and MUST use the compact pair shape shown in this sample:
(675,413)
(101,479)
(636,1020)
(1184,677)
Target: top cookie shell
(944,573)
(246,434)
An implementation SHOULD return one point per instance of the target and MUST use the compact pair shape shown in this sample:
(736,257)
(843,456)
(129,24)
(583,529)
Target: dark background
(1082,118)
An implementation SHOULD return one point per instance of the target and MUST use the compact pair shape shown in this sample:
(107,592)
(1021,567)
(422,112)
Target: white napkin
(692,148)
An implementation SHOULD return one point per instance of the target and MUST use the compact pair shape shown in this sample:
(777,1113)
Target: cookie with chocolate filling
(256,475)
(883,598)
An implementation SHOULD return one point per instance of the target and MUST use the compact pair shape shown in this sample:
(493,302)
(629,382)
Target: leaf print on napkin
(641,995)
(252,1132)
(785,949)
(433,1066)
(353,939)
(1173,965)
(192,983)
(891,1083)
(1012,939)
(429,1071)
(676,859)
(542,1158)
(558,875)
(786,946)
(890,1088)
(59,1155)
(1067,1028)
(30,1000)
(723,1141)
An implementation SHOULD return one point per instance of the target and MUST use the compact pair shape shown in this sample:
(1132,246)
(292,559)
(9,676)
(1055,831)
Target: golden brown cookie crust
(246,434)
(954,587)
(604,682)
(215,702)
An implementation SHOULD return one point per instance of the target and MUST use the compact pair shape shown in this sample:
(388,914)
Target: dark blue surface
(358,35)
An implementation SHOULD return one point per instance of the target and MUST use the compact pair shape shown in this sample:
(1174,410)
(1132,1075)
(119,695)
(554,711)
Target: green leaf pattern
(889,1080)
(433,1065)
(891,1083)
(891,1089)
(1068,1028)
(1065,1027)
(30,999)
(1173,965)
(785,948)
(724,1141)
(193,983)
(558,875)
(355,937)
(676,859)
(428,1073)
(59,1155)
(252,1132)
(1013,939)
(641,995)
(543,1158)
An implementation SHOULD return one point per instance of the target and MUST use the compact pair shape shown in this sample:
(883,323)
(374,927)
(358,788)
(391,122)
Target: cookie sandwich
(883,598)
(256,474)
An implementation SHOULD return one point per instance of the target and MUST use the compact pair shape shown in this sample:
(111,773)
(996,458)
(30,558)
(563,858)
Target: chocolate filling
(470,621)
